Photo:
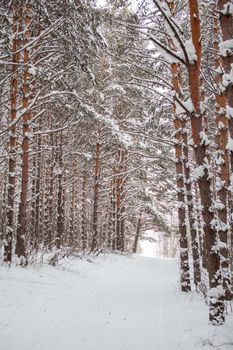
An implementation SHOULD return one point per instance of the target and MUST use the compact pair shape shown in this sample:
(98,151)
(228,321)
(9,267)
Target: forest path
(115,303)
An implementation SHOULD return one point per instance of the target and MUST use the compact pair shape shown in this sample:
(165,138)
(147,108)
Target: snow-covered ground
(114,303)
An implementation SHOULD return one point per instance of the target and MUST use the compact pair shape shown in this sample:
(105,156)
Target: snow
(188,106)
(227,79)
(116,302)
(221,126)
(216,292)
(229,112)
(190,49)
(198,173)
(204,138)
(226,47)
(228,9)
(230,144)
(32,71)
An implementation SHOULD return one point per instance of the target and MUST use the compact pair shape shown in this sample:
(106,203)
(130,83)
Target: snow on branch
(172,31)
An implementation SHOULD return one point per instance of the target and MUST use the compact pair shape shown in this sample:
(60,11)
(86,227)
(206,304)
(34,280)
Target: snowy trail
(116,303)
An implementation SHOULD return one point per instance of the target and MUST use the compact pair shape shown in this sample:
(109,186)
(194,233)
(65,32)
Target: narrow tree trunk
(49,190)
(60,199)
(84,210)
(114,210)
(110,220)
(183,237)
(191,213)
(73,205)
(137,235)
(226,22)
(96,192)
(36,196)
(123,198)
(118,208)
(12,143)
(119,201)
(22,216)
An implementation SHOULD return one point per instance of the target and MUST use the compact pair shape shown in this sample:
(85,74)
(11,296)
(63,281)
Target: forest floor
(114,303)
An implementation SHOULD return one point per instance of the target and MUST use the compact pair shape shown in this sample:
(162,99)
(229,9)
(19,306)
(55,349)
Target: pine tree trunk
(124,157)
(183,236)
(49,190)
(191,212)
(84,210)
(222,173)
(72,211)
(16,26)
(22,216)
(38,195)
(110,220)
(96,192)
(226,22)
(114,210)
(119,201)
(216,307)
(137,235)
(60,199)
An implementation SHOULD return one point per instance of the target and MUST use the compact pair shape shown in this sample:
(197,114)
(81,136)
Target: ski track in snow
(116,303)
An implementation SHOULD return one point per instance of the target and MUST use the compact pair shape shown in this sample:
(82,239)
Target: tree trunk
(222,173)
(60,198)
(183,237)
(96,192)
(137,236)
(203,174)
(84,210)
(16,26)
(226,22)
(191,212)
(22,216)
